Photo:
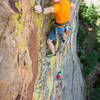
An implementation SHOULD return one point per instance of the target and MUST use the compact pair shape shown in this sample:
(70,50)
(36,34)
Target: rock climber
(61,11)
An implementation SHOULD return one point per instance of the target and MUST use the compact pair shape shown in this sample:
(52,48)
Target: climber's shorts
(59,29)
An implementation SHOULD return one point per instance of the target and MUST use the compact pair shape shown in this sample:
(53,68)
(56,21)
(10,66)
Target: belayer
(61,11)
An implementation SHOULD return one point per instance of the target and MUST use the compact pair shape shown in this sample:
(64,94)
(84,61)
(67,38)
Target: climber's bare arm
(48,10)
(51,9)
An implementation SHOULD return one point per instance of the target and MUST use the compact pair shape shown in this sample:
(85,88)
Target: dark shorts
(59,30)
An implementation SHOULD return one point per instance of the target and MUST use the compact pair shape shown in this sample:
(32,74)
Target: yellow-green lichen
(38,19)
(36,86)
(17,5)
(19,26)
(50,86)
(52,62)
(15,17)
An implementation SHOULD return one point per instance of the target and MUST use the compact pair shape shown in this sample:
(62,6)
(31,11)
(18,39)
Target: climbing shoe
(50,55)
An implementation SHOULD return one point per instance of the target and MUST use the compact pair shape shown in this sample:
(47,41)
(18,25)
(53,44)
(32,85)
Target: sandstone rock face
(25,71)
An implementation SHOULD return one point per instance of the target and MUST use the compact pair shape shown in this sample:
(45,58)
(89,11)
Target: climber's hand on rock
(38,9)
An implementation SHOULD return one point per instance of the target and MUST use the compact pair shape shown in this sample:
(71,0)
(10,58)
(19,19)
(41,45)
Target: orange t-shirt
(62,11)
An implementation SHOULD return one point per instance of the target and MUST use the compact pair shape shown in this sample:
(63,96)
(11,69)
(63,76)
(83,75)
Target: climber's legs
(64,36)
(51,46)
(52,36)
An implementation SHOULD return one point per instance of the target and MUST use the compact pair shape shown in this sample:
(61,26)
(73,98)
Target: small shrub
(88,14)
(95,94)
(87,70)
(92,58)
(81,36)
(83,58)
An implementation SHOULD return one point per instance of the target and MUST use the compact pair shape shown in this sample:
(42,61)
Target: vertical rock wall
(25,71)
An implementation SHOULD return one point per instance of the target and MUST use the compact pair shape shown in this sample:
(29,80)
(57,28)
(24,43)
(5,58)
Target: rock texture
(25,71)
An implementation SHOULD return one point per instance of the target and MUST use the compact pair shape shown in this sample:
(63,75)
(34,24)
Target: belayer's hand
(38,9)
